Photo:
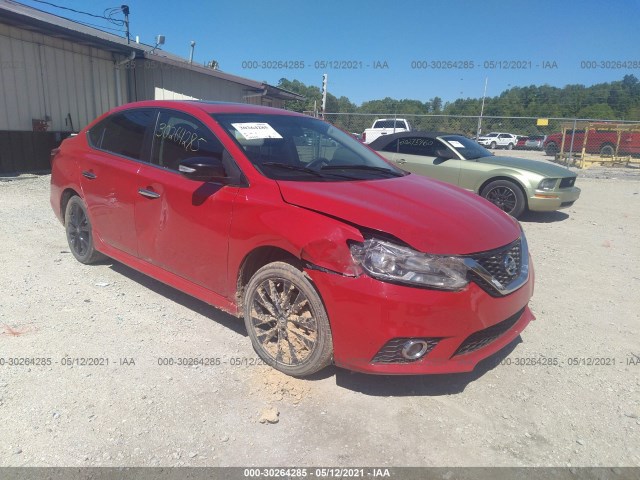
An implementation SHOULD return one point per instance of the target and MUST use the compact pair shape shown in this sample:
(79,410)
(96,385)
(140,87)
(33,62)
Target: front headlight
(394,263)
(548,184)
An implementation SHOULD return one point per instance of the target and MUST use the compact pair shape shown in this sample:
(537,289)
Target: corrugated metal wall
(161,81)
(44,77)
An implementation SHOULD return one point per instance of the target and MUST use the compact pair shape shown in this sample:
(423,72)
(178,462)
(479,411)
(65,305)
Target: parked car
(600,142)
(495,140)
(513,184)
(535,142)
(385,126)
(520,145)
(328,252)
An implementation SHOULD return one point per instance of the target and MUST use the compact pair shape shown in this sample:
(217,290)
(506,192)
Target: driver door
(418,155)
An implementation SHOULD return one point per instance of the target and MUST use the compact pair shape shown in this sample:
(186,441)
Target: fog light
(414,349)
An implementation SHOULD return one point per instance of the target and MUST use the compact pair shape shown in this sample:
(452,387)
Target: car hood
(429,215)
(541,168)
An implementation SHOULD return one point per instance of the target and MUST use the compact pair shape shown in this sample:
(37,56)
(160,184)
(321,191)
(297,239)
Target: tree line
(617,100)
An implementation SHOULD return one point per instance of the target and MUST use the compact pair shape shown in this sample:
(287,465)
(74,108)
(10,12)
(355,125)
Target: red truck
(599,141)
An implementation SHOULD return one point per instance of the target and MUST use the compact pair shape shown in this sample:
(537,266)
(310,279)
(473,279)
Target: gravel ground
(566,393)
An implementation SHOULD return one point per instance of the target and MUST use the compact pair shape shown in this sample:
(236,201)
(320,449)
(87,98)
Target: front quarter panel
(476,174)
(262,219)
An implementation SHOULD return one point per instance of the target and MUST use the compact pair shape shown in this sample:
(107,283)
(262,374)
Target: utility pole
(324,93)
(486,79)
(125,10)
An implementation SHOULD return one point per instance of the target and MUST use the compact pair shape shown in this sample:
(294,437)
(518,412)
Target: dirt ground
(565,394)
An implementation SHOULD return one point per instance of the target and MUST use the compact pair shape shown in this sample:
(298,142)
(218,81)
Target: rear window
(123,133)
(390,124)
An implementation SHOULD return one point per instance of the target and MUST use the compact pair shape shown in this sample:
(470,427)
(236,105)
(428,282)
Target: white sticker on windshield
(455,143)
(256,130)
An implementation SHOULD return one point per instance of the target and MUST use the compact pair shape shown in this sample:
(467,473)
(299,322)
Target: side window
(123,133)
(179,136)
(419,146)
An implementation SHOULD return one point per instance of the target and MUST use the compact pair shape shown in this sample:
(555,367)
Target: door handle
(89,175)
(148,193)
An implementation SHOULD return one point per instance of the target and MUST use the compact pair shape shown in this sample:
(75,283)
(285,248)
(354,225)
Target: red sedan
(329,253)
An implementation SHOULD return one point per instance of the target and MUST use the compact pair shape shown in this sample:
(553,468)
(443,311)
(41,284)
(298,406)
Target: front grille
(391,352)
(484,337)
(567,182)
(494,262)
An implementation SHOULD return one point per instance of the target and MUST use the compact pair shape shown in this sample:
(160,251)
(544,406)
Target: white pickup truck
(385,126)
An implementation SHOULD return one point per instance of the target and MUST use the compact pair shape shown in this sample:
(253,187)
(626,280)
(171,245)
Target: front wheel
(551,149)
(286,320)
(79,232)
(505,195)
(492,146)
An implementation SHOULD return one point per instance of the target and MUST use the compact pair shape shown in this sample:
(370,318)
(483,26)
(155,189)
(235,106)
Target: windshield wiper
(300,168)
(364,167)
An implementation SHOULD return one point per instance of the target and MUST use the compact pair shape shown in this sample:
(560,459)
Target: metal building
(57,75)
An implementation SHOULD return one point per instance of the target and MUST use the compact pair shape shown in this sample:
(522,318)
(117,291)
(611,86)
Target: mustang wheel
(505,195)
(286,320)
(79,235)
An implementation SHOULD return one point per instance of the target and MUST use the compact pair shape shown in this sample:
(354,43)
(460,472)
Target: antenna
(193,46)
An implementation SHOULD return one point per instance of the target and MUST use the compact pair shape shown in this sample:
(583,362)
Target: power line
(109,18)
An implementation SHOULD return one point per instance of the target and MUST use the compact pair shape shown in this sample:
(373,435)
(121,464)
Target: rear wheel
(510,146)
(505,195)
(286,320)
(607,149)
(79,232)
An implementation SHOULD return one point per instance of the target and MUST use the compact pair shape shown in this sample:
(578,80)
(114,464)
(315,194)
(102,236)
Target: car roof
(209,107)
(385,140)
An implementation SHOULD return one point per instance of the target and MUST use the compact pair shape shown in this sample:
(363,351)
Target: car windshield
(288,147)
(469,149)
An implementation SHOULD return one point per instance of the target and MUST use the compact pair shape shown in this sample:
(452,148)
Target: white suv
(498,139)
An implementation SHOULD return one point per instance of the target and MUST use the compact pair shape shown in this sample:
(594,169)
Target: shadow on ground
(192,303)
(543,217)
(372,385)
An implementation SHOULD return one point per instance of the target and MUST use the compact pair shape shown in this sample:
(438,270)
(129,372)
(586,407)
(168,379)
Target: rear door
(109,175)
(183,225)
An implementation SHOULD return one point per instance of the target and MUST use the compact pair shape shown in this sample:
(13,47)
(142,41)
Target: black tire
(79,232)
(608,149)
(510,146)
(551,148)
(505,195)
(492,146)
(286,320)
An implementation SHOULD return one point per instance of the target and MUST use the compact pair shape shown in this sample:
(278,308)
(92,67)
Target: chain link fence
(567,139)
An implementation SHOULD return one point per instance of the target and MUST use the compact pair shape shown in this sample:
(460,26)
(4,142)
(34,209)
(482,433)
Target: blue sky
(561,35)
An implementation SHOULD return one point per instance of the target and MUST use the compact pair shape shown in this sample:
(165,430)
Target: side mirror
(204,169)
(445,154)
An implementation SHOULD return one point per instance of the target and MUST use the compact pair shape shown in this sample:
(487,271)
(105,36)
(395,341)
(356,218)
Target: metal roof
(22,16)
